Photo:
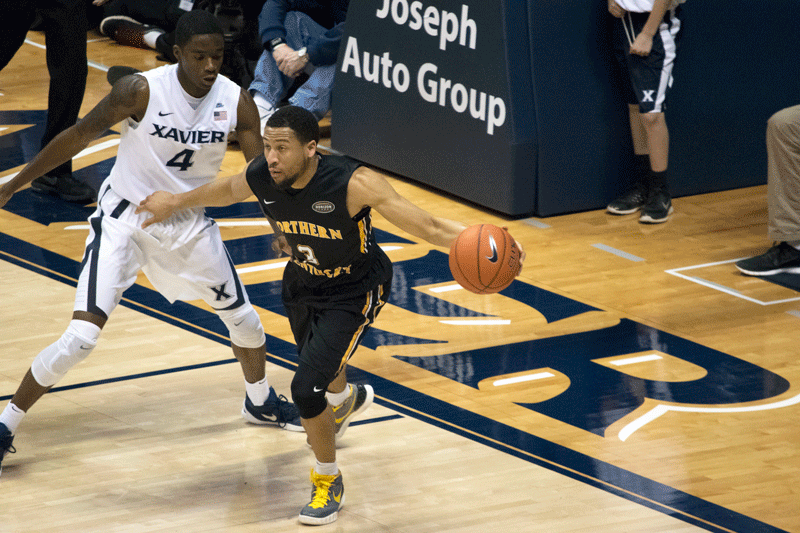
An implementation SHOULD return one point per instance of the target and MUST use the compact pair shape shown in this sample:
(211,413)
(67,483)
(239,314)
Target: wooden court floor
(629,381)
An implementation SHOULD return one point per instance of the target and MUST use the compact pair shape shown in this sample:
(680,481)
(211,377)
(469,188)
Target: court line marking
(659,410)
(83,153)
(331,150)
(98,66)
(476,322)
(259,268)
(722,288)
(521,379)
(620,253)
(563,468)
(536,223)
(37,45)
(634,360)
(447,288)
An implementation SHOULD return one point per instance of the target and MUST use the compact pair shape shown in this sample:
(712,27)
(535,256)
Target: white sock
(265,109)
(150,37)
(326,469)
(11,417)
(257,392)
(336,398)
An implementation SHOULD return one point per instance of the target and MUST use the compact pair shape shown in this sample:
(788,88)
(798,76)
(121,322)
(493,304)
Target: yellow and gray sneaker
(327,498)
(360,398)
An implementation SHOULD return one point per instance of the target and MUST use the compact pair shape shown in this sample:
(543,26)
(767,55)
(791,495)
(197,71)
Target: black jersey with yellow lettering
(333,254)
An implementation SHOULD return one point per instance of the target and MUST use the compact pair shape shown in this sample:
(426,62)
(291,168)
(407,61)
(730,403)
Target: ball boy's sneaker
(658,207)
(629,202)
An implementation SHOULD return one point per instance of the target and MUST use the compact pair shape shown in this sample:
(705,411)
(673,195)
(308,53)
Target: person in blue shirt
(299,37)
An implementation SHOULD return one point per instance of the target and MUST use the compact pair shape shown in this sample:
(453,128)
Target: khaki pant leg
(783,174)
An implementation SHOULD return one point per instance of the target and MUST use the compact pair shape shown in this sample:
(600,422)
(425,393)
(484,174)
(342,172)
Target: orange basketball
(484,259)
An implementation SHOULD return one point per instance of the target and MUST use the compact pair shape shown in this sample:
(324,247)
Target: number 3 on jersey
(182,160)
(309,253)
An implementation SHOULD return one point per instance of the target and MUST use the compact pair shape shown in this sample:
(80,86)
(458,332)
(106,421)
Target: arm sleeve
(270,21)
(325,50)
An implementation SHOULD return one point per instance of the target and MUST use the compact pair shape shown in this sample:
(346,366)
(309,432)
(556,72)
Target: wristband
(276,42)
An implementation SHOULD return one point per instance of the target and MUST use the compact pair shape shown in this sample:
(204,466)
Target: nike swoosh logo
(267,203)
(317,390)
(492,258)
(237,323)
(160,114)
(665,205)
(85,347)
(338,497)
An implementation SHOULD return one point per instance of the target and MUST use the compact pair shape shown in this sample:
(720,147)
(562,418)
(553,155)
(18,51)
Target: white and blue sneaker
(6,438)
(276,411)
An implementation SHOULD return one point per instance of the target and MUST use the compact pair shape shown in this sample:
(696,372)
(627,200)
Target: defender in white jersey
(175,125)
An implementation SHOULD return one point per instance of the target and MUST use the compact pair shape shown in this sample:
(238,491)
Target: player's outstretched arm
(369,188)
(248,127)
(128,98)
(218,193)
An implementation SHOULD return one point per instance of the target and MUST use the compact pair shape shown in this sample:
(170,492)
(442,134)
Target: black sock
(641,165)
(657,180)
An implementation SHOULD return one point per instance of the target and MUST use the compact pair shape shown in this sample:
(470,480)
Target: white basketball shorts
(183,257)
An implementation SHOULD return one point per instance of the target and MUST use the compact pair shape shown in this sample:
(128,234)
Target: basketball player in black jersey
(337,280)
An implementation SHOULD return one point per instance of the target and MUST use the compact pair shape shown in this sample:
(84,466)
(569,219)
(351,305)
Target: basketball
(484,259)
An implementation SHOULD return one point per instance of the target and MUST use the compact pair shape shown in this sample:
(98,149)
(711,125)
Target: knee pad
(244,326)
(74,346)
(308,391)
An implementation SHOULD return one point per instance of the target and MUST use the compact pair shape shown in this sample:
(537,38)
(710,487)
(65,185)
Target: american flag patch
(220,115)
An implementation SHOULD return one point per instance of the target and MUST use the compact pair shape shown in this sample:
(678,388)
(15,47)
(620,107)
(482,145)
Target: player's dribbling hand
(521,251)
(160,204)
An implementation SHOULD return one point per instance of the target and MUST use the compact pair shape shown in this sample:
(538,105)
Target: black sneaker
(781,258)
(6,438)
(65,187)
(276,411)
(109,24)
(119,71)
(630,202)
(126,31)
(658,207)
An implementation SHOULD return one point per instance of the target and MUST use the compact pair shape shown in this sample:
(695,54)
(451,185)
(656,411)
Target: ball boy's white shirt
(643,6)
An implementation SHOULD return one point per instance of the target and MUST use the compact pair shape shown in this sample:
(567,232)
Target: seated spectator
(783,198)
(151,24)
(299,37)
(139,23)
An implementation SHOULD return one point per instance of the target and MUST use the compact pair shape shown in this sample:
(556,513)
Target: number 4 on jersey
(182,160)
